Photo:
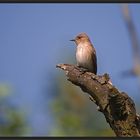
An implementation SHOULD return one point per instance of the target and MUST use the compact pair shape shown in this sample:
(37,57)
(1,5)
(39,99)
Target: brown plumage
(85,53)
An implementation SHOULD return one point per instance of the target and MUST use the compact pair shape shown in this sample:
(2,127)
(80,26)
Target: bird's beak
(72,40)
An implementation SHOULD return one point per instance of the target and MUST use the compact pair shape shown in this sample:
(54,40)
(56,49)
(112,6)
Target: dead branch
(127,16)
(117,107)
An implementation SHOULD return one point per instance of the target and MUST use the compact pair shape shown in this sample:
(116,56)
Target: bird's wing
(94,61)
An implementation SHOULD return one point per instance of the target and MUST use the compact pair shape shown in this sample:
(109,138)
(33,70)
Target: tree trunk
(117,107)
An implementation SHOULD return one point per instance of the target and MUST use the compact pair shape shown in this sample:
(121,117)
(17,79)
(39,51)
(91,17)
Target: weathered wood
(117,107)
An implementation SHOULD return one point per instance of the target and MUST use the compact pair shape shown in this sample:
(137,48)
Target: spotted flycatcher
(85,53)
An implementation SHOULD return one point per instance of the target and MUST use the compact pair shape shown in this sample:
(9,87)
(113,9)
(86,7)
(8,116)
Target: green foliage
(75,115)
(12,120)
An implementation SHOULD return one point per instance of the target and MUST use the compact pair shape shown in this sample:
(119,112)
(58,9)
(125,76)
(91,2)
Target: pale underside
(86,57)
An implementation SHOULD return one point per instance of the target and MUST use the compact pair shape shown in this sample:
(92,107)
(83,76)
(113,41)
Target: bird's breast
(83,56)
(80,53)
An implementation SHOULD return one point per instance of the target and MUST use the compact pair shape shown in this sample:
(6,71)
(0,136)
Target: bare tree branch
(134,40)
(117,107)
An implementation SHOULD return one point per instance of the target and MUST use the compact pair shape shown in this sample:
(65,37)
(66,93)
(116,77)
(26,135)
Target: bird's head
(82,37)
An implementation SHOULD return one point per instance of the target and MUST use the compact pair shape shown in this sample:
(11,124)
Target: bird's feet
(81,69)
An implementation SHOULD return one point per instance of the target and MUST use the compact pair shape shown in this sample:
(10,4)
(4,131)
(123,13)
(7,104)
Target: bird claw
(81,69)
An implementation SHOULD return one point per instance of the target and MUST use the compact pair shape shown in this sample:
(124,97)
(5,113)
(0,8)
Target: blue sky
(35,37)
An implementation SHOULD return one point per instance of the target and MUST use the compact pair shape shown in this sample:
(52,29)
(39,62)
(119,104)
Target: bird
(85,53)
